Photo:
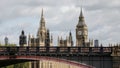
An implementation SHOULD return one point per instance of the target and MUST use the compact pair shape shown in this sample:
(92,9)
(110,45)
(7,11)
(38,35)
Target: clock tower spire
(81,32)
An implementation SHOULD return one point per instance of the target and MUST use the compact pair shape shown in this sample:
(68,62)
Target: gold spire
(81,13)
(81,21)
(42,21)
(42,13)
(81,17)
(70,34)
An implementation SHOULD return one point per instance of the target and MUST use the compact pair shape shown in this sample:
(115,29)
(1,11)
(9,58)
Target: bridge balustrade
(85,50)
(55,50)
(106,49)
(74,50)
(22,49)
(3,51)
(96,50)
(42,49)
(63,50)
(32,49)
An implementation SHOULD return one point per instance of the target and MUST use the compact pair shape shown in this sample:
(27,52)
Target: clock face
(79,32)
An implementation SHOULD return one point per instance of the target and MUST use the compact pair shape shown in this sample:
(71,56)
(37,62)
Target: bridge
(82,57)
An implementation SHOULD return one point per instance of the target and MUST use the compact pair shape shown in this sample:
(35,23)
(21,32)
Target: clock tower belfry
(81,32)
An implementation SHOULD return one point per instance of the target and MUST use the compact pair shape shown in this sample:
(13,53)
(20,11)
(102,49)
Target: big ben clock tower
(81,32)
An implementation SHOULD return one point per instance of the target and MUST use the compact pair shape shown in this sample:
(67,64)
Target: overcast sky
(102,18)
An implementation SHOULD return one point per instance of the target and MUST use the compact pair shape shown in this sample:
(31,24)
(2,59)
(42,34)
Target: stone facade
(68,42)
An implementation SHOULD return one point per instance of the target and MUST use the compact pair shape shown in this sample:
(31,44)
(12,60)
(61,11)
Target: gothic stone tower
(43,35)
(22,39)
(81,32)
(42,31)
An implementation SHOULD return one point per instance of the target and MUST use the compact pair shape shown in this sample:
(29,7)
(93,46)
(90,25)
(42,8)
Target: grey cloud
(101,16)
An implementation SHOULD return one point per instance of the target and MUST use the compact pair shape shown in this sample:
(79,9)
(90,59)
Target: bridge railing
(55,50)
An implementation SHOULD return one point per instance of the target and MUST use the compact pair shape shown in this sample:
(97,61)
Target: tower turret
(6,41)
(51,41)
(70,39)
(47,39)
(29,40)
(42,21)
(81,22)
(22,39)
(58,41)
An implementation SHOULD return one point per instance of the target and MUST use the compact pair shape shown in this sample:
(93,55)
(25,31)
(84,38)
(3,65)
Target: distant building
(22,39)
(6,41)
(96,43)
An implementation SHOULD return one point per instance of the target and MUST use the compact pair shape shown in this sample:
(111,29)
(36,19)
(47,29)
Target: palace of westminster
(44,39)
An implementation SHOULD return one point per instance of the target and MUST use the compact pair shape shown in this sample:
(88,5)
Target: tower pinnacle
(42,13)
(81,13)
(42,21)
(81,21)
